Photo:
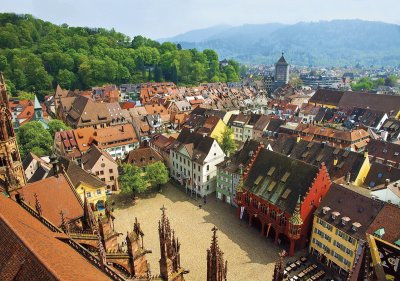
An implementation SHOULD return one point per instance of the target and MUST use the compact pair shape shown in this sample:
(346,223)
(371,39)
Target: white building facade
(194,164)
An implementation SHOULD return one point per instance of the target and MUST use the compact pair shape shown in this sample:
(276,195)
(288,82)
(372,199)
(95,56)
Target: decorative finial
(38,207)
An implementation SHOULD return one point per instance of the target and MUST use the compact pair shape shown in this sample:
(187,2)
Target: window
(88,194)
(208,167)
(208,177)
(98,191)
(323,235)
(111,178)
(110,171)
(101,172)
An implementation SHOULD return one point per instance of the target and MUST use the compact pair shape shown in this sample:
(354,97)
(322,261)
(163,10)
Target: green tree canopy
(226,141)
(56,125)
(36,55)
(157,173)
(132,179)
(33,137)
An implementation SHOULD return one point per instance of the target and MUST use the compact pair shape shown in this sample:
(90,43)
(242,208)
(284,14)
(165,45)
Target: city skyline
(178,16)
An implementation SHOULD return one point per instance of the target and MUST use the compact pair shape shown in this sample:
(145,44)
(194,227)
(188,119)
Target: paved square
(249,256)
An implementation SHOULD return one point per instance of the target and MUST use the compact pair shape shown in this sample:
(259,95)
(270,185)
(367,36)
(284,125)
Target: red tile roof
(55,194)
(31,251)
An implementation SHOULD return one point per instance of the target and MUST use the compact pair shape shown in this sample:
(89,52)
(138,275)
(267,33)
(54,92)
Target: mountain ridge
(327,43)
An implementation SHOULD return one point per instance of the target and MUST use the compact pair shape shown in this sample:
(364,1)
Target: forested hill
(324,43)
(35,55)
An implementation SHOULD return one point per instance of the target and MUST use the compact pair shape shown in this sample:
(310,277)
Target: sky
(165,18)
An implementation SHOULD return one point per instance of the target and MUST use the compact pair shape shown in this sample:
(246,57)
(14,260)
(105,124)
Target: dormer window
(380,232)
(345,220)
(325,210)
(335,215)
(356,226)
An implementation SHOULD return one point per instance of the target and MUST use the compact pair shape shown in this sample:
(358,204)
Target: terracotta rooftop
(143,156)
(388,219)
(30,251)
(105,137)
(55,194)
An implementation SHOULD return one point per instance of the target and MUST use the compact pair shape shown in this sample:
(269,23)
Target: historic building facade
(194,160)
(12,176)
(278,195)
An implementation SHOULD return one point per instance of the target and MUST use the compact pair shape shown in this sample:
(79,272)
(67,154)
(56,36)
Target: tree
(56,125)
(22,95)
(226,141)
(364,84)
(132,179)
(391,81)
(33,137)
(66,79)
(157,173)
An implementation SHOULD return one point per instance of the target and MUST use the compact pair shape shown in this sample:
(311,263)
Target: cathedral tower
(12,175)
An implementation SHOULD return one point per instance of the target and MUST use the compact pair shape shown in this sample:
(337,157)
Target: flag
(241,212)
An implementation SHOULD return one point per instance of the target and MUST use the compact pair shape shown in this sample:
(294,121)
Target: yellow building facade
(218,130)
(362,174)
(332,246)
(96,196)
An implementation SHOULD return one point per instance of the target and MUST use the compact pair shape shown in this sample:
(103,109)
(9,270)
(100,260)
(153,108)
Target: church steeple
(216,267)
(170,261)
(12,176)
(38,110)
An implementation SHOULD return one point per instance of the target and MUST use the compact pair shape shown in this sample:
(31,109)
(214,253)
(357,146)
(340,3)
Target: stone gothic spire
(279,267)
(216,267)
(170,261)
(12,176)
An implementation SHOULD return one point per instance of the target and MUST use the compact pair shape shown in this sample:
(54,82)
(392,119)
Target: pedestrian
(199,206)
(205,200)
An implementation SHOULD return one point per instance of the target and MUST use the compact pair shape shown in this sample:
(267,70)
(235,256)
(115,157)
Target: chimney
(348,175)
(387,181)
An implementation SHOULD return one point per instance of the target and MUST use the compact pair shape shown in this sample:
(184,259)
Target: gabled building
(80,111)
(98,162)
(35,168)
(116,140)
(380,175)
(83,182)
(65,145)
(279,194)
(343,165)
(230,170)
(339,227)
(179,107)
(384,152)
(194,158)
(355,140)
(162,145)
(142,157)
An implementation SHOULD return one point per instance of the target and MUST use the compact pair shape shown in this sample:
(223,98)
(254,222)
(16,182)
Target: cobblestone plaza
(249,256)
